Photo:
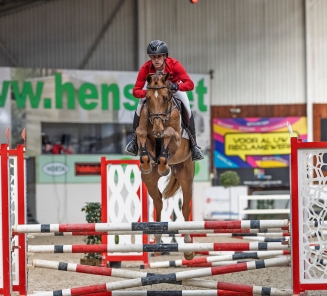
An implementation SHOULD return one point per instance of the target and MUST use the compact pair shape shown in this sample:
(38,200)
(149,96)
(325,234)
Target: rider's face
(158,61)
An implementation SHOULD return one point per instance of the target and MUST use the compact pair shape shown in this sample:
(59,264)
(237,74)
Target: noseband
(167,114)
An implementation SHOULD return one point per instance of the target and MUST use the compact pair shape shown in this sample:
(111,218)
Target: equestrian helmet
(157,47)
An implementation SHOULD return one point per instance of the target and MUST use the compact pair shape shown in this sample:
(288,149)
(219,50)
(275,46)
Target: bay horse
(163,150)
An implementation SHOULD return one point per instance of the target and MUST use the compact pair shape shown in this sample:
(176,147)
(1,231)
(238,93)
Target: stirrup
(132,148)
(196,153)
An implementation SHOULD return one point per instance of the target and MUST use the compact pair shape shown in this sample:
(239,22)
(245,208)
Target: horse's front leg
(141,133)
(151,182)
(170,143)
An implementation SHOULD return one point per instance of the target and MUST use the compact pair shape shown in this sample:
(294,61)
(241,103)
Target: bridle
(167,114)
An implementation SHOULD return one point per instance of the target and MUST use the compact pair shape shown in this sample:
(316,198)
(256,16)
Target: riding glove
(173,86)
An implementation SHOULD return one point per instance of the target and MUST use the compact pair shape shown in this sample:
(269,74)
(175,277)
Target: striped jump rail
(222,253)
(242,235)
(177,233)
(150,227)
(186,275)
(264,239)
(162,293)
(235,256)
(212,264)
(253,246)
(253,236)
(95,270)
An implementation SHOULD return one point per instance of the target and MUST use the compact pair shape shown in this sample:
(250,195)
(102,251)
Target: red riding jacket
(177,75)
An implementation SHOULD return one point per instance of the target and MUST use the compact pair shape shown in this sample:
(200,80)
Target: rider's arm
(138,91)
(187,83)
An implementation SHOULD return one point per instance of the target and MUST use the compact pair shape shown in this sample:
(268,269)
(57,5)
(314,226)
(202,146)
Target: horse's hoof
(165,173)
(157,253)
(144,171)
(189,256)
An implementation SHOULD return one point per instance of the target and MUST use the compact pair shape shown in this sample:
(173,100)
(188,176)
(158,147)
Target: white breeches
(181,95)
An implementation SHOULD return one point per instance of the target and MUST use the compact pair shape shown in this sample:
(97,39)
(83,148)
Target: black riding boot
(195,149)
(132,147)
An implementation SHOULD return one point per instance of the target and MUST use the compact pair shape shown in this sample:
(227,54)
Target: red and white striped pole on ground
(151,227)
(203,260)
(185,275)
(208,284)
(156,247)
(213,264)
(165,293)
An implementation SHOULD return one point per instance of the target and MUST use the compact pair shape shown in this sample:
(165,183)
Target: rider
(180,82)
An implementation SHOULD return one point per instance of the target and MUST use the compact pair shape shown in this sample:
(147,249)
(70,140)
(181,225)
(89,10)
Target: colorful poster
(255,142)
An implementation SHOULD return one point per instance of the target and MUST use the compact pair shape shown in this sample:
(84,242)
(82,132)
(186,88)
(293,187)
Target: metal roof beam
(14,6)
(10,57)
(101,34)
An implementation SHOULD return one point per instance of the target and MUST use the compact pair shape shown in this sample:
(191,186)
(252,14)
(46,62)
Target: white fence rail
(242,212)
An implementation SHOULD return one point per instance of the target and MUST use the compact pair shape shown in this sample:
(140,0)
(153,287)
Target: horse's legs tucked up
(171,140)
(141,133)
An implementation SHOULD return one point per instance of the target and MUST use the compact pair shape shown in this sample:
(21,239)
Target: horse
(162,149)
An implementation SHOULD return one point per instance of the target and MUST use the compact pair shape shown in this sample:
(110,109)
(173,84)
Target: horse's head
(158,99)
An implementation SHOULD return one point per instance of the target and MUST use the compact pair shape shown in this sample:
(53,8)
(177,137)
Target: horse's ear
(148,78)
(166,77)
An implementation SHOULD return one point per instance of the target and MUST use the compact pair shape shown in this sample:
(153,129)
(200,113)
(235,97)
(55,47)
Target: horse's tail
(172,187)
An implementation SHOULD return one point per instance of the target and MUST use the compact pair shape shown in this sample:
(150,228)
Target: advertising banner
(255,142)
(78,168)
(82,96)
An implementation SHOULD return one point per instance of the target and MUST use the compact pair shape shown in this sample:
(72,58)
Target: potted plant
(229,179)
(93,215)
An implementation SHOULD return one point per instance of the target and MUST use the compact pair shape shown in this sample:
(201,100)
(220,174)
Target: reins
(167,114)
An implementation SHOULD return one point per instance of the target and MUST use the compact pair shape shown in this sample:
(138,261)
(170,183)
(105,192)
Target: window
(85,138)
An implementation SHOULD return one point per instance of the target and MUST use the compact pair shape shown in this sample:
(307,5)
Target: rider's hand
(173,86)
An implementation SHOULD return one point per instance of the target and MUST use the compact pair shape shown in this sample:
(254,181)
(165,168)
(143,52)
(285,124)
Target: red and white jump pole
(156,247)
(235,233)
(151,227)
(185,275)
(203,260)
(71,267)
(165,293)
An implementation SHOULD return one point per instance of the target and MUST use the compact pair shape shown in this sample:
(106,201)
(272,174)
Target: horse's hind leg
(151,182)
(185,175)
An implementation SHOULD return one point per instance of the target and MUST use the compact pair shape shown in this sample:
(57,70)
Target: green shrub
(93,215)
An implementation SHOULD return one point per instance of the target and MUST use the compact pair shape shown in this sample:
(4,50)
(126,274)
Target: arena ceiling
(12,6)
